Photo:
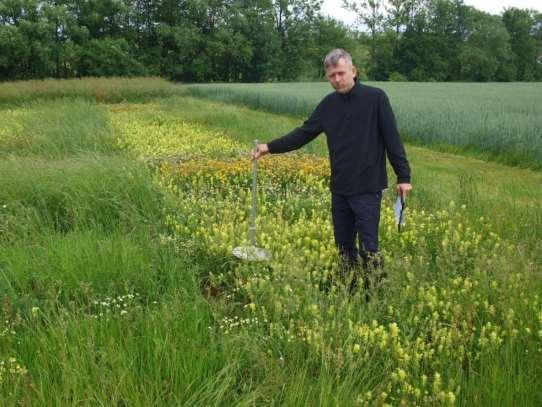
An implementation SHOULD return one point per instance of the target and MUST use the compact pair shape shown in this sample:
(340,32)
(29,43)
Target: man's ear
(354,70)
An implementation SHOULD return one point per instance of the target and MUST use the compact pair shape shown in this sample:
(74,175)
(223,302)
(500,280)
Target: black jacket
(360,128)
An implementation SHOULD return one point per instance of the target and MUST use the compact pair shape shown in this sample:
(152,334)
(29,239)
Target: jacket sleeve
(300,136)
(394,146)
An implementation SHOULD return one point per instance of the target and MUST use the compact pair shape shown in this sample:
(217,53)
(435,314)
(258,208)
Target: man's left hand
(402,189)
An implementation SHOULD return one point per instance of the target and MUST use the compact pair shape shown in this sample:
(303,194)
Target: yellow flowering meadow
(451,305)
(165,138)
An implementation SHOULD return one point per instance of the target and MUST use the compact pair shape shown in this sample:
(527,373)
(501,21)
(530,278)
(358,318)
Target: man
(360,128)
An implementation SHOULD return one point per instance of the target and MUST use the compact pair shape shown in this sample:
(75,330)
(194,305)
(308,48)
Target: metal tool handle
(252,226)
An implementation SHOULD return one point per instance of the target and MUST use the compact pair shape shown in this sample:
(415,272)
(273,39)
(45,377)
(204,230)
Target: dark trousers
(355,224)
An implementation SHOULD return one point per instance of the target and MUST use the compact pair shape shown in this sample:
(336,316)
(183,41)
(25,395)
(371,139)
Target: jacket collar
(353,91)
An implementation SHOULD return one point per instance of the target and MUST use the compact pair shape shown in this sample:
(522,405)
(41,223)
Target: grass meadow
(497,121)
(118,215)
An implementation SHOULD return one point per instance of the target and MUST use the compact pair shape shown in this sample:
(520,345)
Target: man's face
(341,76)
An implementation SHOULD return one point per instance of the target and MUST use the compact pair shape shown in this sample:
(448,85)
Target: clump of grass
(77,269)
(56,129)
(87,192)
(112,318)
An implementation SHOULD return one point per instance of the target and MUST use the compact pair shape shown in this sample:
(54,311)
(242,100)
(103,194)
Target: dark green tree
(486,55)
(521,26)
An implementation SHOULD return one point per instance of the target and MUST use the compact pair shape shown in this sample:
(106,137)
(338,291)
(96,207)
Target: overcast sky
(334,9)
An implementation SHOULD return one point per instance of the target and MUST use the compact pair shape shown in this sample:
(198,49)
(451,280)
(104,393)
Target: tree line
(265,40)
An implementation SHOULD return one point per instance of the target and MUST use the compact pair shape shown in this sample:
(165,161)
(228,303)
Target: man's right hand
(259,151)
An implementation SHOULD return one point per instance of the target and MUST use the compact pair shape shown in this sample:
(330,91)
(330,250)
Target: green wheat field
(121,201)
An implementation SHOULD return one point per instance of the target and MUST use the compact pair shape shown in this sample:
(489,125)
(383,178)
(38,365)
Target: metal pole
(252,226)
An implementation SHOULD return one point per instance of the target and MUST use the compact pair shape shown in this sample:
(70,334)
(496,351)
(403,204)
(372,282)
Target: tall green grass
(56,129)
(101,90)
(60,298)
(497,121)
(74,194)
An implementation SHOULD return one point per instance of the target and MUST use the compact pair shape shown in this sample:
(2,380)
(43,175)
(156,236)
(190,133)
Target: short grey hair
(332,58)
